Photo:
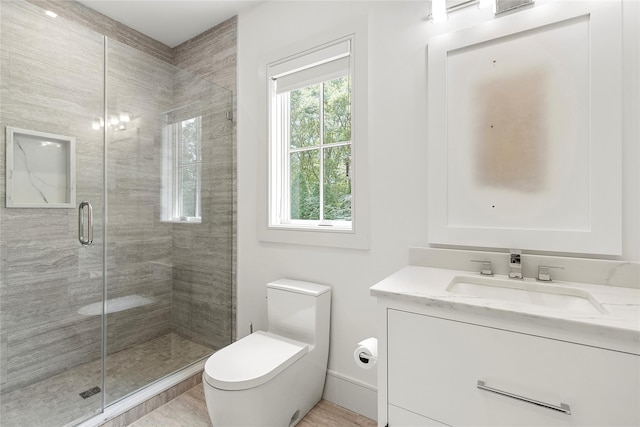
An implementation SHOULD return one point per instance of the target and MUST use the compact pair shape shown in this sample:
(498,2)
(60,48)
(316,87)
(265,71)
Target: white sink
(549,295)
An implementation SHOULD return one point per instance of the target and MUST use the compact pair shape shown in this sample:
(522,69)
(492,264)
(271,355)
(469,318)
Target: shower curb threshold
(139,398)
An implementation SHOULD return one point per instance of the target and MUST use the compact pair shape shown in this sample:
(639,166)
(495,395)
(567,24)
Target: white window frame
(356,234)
(173,210)
(339,53)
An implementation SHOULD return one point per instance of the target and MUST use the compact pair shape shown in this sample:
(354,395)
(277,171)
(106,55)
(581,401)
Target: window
(313,156)
(182,167)
(310,128)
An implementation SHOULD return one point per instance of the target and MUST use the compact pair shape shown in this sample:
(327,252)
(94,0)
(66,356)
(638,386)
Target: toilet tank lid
(252,361)
(299,286)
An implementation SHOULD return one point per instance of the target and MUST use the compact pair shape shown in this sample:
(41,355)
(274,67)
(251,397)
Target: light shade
(438,11)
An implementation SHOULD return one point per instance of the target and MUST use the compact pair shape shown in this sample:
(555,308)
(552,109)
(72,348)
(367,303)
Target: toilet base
(281,402)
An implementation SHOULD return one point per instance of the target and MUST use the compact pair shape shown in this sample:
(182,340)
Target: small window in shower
(182,175)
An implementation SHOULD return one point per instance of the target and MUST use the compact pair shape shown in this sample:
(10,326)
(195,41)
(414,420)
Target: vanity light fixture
(439,10)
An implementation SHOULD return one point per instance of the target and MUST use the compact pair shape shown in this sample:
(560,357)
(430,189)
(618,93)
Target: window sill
(336,227)
(183,221)
(315,236)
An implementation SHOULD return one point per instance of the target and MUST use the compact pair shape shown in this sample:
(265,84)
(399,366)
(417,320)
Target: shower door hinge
(229,115)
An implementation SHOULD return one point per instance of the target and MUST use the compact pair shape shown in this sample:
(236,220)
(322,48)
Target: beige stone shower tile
(55,401)
(187,409)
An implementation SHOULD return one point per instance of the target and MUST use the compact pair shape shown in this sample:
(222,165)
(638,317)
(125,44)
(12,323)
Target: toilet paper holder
(366,354)
(365,357)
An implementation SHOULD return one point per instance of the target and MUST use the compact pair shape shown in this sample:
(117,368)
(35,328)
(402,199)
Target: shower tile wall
(201,273)
(101,24)
(202,268)
(212,55)
(138,243)
(45,275)
(201,252)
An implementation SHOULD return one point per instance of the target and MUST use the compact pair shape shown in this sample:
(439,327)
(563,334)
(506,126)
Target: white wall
(398,35)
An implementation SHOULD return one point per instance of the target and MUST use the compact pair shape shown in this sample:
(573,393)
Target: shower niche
(41,170)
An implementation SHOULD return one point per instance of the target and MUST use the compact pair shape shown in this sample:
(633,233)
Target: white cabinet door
(434,366)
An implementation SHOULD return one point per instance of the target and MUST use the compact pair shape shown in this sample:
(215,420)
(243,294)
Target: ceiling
(170,21)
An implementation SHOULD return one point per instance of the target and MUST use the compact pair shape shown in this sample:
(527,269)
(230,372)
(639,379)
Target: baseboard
(352,394)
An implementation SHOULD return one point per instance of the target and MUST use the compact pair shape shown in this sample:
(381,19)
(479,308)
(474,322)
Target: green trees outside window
(190,168)
(320,151)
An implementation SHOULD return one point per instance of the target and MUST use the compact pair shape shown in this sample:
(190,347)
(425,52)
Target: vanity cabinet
(442,371)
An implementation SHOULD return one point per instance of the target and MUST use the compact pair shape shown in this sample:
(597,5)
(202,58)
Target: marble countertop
(617,329)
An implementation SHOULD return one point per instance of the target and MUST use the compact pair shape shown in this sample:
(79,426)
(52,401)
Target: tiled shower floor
(56,400)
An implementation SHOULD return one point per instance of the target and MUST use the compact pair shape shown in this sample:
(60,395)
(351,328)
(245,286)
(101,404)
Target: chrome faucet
(515,264)
(486,267)
(544,275)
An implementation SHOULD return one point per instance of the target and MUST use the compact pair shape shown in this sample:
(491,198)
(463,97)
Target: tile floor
(56,401)
(190,410)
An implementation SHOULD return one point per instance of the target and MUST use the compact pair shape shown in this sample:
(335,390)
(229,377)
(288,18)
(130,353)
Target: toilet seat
(252,361)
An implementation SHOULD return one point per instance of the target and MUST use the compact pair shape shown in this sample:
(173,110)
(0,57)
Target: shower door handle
(88,239)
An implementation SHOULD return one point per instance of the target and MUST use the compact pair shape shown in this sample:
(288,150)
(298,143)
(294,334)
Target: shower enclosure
(116,237)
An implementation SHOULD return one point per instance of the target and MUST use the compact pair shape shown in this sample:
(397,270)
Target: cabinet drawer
(434,366)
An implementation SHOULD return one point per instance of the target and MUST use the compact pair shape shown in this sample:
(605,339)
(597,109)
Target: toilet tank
(299,310)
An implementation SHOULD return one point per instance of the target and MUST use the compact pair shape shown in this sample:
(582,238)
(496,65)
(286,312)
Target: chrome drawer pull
(562,408)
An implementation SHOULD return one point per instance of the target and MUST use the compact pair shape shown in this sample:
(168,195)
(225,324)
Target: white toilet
(274,378)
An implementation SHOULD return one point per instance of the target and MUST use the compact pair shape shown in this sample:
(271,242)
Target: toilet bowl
(273,378)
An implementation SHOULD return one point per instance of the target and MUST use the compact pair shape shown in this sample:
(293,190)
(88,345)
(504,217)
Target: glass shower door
(51,286)
(169,204)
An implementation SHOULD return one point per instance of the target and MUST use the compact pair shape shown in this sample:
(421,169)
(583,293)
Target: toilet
(273,378)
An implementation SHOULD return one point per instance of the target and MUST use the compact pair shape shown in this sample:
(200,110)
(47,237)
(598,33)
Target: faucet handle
(515,257)
(544,275)
(515,264)
(486,267)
